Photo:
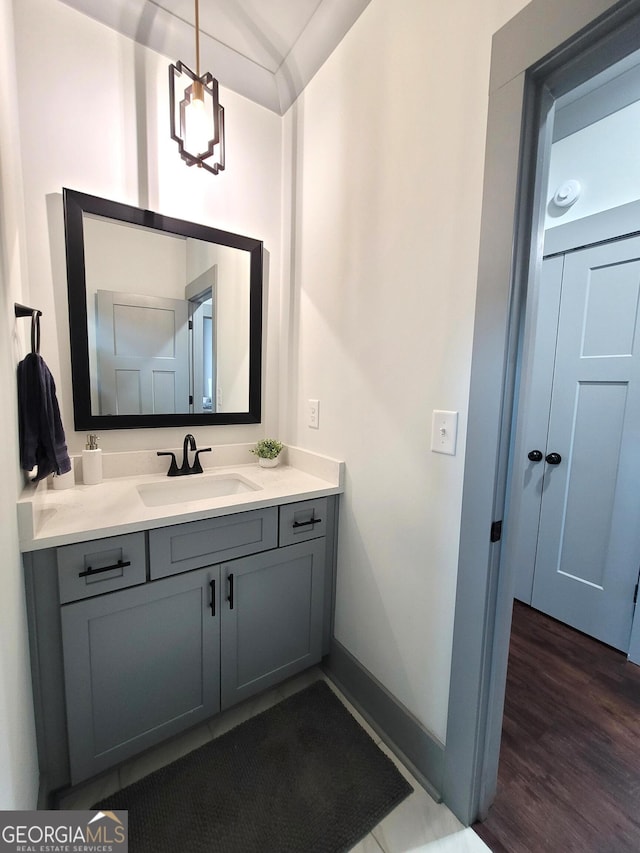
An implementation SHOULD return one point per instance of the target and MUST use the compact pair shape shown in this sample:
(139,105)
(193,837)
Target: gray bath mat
(302,777)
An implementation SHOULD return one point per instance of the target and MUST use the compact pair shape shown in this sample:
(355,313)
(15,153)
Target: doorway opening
(572,544)
(542,54)
(573,537)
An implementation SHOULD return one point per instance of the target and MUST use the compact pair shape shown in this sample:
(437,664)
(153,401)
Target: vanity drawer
(183,547)
(303,520)
(103,565)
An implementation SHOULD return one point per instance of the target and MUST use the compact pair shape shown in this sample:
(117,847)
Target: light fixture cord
(197,39)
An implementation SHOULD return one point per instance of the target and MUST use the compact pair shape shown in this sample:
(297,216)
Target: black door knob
(553,458)
(535,455)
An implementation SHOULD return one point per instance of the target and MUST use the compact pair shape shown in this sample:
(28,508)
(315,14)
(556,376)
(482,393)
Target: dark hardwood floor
(569,775)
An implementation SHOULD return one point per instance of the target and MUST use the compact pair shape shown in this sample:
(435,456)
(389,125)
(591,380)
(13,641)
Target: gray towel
(42,439)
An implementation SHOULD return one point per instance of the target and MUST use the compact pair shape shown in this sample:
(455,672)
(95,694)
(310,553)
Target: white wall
(18,764)
(386,153)
(86,97)
(603,157)
(128,259)
(232,329)
(388,144)
(94,117)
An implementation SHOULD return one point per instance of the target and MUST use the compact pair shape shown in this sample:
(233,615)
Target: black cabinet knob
(553,458)
(535,455)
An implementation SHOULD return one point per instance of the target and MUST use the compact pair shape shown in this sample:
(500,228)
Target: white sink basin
(194,487)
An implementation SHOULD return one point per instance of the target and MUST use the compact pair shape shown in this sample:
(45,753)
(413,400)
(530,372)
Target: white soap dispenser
(91,462)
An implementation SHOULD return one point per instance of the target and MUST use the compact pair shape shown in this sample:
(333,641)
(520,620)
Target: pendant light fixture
(197,119)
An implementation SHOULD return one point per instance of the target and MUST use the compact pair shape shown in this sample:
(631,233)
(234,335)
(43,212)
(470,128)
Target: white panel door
(587,542)
(143,354)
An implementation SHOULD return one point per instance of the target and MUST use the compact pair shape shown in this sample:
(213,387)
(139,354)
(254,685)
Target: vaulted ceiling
(266,50)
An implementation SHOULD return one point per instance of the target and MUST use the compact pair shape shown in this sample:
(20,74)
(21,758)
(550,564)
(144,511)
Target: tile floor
(417,825)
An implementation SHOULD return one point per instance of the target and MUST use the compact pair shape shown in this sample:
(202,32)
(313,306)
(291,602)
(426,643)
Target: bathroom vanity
(176,606)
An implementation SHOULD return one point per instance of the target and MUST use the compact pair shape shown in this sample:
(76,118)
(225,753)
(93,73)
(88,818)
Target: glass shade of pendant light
(197,119)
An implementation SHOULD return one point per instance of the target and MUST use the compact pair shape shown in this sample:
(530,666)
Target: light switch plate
(313,414)
(444,432)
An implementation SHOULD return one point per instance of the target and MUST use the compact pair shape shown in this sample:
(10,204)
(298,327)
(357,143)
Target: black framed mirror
(165,318)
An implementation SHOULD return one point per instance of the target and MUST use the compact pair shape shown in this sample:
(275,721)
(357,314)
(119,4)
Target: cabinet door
(271,618)
(140,665)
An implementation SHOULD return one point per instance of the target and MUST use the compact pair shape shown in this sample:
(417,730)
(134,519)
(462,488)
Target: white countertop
(49,518)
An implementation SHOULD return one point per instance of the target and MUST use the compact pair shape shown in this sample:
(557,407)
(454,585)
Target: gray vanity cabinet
(271,618)
(139,665)
(139,636)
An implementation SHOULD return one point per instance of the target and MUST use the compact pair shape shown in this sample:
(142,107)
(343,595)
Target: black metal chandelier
(197,119)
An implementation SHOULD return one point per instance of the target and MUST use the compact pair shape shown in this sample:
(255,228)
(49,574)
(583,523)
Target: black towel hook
(35,314)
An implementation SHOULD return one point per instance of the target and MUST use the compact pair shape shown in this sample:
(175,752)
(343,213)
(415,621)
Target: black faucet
(188,444)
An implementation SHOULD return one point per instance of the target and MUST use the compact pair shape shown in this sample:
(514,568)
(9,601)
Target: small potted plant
(268,452)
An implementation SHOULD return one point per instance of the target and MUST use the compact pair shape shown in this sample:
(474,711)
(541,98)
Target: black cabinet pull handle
(89,571)
(534,455)
(307,523)
(212,584)
(230,596)
(553,458)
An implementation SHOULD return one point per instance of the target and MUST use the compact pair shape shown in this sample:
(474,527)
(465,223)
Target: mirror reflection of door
(151,265)
(201,294)
(203,358)
(142,354)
